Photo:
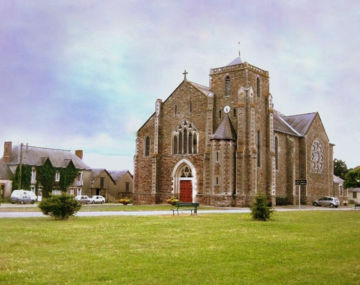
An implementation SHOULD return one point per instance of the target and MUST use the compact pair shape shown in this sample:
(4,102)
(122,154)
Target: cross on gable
(185,73)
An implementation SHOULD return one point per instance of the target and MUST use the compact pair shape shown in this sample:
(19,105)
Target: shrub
(124,201)
(60,207)
(260,210)
(282,201)
(172,201)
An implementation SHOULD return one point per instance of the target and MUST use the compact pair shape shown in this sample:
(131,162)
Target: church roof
(36,156)
(280,125)
(236,61)
(301,123)
(202,88)
(296,125)
(225,130)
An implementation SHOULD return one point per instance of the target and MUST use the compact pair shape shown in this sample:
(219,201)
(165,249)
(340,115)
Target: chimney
(7,151)
(79,153)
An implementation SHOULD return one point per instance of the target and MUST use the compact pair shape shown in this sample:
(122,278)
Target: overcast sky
(86,74)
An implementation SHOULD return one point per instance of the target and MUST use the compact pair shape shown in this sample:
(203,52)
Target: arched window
(147,146)
(190,107)
(258,149)
(175,109)
(276,153)
(227,86)
(258,86)
(180,142)
(175,149)
(195,144)
(190,143)
(185,139)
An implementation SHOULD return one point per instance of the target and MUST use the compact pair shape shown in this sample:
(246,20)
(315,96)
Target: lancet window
(185,139)
(227,86)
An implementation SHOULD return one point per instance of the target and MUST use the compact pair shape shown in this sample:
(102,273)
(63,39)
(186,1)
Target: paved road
(158,213)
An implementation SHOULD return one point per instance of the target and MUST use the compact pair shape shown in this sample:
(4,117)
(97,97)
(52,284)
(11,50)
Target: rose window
(317,157)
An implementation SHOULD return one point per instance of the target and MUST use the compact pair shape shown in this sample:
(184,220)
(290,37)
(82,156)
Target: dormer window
(227,86)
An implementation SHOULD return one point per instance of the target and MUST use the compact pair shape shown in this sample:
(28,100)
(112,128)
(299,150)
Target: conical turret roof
(225,130)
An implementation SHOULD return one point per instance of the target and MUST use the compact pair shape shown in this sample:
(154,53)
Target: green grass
(320,247)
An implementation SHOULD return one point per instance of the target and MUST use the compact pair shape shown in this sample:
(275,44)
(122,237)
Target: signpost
(300,182)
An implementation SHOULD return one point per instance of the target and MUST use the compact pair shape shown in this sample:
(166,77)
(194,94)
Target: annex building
(223,144)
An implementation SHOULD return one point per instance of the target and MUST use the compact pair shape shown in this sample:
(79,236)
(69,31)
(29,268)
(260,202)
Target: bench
(185,206)
(357,206)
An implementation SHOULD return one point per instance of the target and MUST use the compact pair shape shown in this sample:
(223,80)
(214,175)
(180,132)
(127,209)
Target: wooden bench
(356,206)
(185,206)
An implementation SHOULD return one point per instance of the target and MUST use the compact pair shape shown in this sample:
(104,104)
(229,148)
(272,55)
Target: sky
(85,74)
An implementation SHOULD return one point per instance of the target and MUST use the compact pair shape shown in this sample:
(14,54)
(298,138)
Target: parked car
(83,199)
(327,201)
(97,199)
(23,197)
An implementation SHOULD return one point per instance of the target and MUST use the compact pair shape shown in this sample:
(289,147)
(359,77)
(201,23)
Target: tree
(60,207)
(340,168)
(352,178)
(260,209)
(46,176)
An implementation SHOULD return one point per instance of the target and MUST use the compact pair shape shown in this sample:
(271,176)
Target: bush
(282,201)
(60,207)
(172,201)
(260,210)
(124,201)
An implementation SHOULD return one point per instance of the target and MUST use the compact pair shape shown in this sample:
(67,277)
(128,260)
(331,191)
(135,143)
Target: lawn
(320,247)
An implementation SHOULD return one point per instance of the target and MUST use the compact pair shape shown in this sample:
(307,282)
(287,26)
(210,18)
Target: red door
(185,191)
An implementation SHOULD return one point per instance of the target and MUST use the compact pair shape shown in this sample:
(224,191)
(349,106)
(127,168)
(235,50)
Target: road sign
(301,182)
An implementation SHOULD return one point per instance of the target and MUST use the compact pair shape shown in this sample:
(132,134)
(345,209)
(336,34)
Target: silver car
(327,201)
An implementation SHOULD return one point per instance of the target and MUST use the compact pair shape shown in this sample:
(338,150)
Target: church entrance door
(186,191)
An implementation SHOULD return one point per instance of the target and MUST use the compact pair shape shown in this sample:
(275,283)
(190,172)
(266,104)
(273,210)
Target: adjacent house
(30,165)
(124,184)
(339,191)
(5,180)
(113,184)
(354,195)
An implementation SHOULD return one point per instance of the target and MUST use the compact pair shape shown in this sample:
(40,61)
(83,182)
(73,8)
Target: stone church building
(223,144)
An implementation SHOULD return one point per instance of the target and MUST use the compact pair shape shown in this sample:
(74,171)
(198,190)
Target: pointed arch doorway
(184,181)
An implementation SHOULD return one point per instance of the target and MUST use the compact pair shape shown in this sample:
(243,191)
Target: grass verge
(319,247)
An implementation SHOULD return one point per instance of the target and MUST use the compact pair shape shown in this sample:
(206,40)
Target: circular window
(317,156)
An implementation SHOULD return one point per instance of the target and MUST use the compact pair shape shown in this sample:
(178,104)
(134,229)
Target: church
(222,145)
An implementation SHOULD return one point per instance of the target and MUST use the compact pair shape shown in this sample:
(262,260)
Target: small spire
(185,73)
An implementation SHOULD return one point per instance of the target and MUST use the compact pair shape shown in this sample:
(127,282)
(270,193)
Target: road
(159,213)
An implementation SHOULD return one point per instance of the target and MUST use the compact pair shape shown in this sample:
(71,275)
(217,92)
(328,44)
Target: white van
(23,196)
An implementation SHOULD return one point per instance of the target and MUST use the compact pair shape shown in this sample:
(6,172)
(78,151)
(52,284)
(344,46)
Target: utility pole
(20,167)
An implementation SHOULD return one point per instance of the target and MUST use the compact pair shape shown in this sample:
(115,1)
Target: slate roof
(301,123)
(202,88)
(95,172)
(5,172)
(36,156)
(235,61)
(296,125)
(338,180)
(280,125)
(118,174)
(225,130)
